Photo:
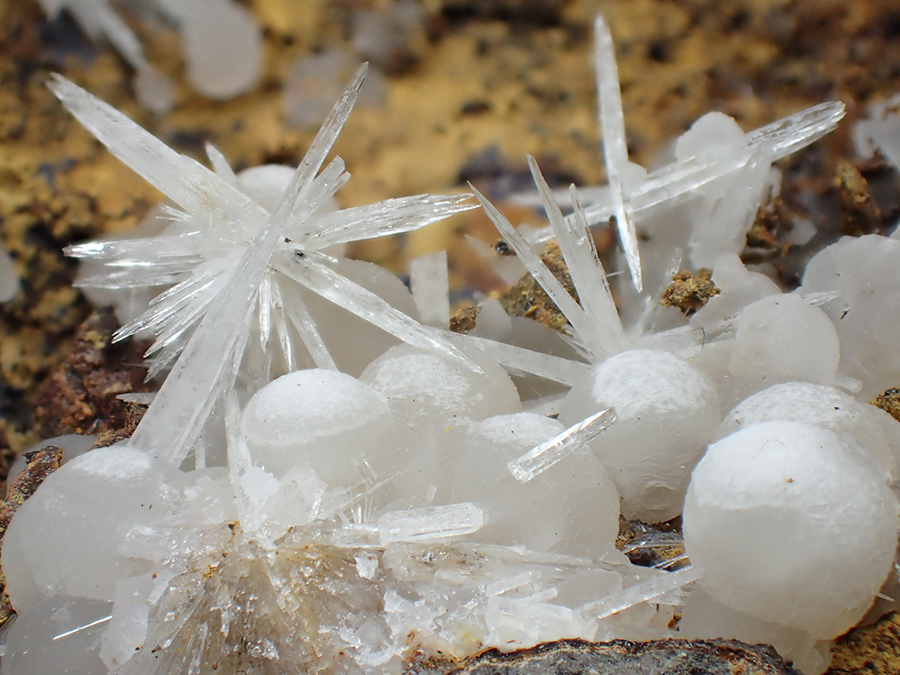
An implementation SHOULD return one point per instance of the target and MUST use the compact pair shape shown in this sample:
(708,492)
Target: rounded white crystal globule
(435,399)
(321,419)
(222,43)
(430,388)
(66,538)
(573,507)
(666,413)
(59,635)
(791,524)
(866,272)
(826,407)
(783,337)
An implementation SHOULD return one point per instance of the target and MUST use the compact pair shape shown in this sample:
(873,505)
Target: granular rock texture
(621,657)
(80,395)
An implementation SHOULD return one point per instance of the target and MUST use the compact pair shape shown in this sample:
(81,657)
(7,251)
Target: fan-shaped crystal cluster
(329,481)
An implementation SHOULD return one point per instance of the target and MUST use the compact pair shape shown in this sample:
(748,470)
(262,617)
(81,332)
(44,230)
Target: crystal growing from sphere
(666,410)
(791,524)
(582,520)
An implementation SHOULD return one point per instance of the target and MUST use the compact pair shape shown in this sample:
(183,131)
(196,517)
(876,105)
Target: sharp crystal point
(536,267)
(615,149)
(547,454)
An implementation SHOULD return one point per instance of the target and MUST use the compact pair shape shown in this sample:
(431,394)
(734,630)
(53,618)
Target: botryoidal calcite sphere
(791,524)
(666,413)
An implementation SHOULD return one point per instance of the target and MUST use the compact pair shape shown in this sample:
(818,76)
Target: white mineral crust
(779,511)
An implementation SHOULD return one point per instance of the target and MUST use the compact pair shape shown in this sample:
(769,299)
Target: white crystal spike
(182,179)
(536,267)
(542,457)
(309,334)
(615,149)
(220,165)
(522,361)
(641,592)
(392,216)
(578,250)
(172,425)
(430,285)
(312,271)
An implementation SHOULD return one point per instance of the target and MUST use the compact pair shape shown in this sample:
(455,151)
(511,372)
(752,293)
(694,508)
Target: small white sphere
(67,537)
(321,419)
(573,507)
(666,413)
(436,399)
(791,524)
(55,637)
(222,43)
(432,389)
(783,337)
(866,271)
(826,407)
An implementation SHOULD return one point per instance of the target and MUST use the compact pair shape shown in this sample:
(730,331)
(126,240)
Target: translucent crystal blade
(220,165)
(309,333)
(183,180)
(150,249)
(536,267)
(324,140)
(542,457)
(615,150)
(577,246)
(432,523)
(314,274)
(641,592)
(521,361)
(391,216)
(430,285)
(676,180)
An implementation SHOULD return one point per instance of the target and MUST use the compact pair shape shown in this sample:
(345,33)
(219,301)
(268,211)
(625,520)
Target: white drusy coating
(316,418)
(791,524)
(583,518)
(67,538)
(666,413)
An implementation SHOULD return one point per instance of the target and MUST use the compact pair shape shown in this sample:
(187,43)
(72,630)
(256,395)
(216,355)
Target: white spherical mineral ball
(866,272)
(826,407)
(321,419)
(666,413)
(783,337)
(573,507)
(791,524)
(432,389)
(68,537)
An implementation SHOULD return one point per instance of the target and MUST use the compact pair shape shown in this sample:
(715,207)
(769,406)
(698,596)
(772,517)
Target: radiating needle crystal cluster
(329,481)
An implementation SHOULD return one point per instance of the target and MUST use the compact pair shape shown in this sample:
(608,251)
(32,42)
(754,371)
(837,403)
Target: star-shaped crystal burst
(229,262)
